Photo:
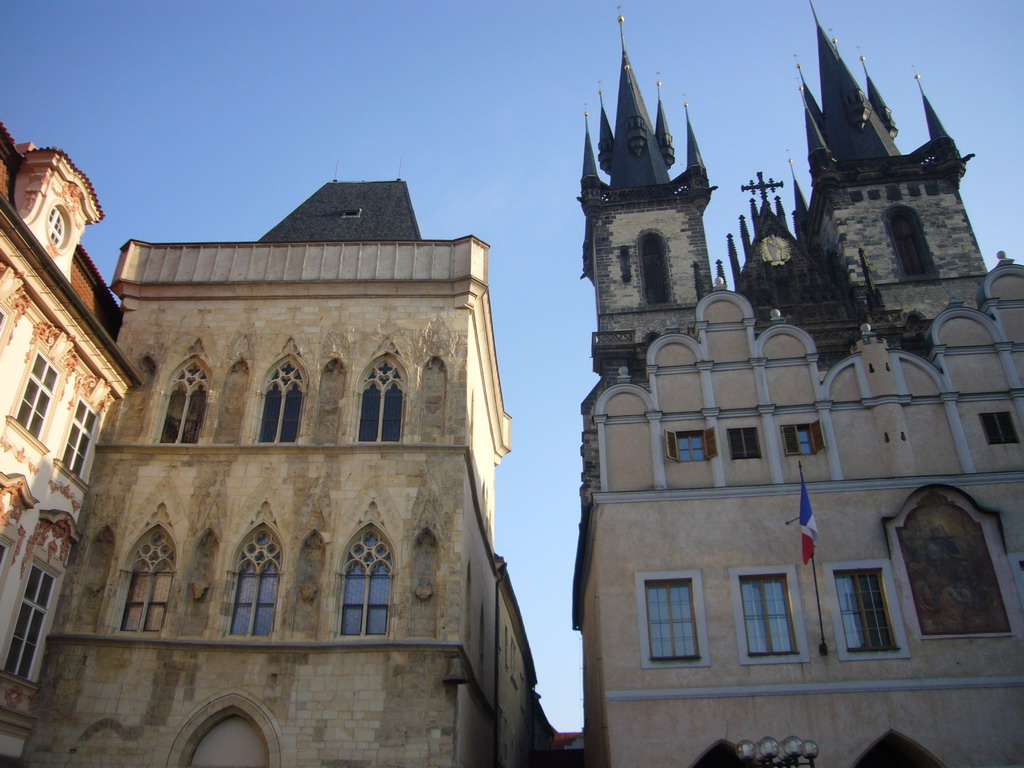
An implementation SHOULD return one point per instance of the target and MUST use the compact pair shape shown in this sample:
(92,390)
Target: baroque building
(57,325)
(287,556)
(864,350)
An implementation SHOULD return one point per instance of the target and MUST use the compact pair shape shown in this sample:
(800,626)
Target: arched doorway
(234,742)
(722,755)
(895,751)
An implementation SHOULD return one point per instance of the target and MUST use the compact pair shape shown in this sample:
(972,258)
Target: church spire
(935,129)
(799,203)
(878,103)
(634,162)
(853,129)
(815,141)
(589,166)
(668,153)
(693,156)
(606,142)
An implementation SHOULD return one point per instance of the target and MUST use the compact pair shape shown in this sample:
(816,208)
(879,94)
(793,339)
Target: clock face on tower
(774,250)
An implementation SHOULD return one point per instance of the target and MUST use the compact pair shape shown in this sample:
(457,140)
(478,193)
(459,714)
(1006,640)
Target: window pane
(271,414)
(292,411)
(377,620)
(194,417)
(391,426)
(369,414)
(175,410)
(351,620)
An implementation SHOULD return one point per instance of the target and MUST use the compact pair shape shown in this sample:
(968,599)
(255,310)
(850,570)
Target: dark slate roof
(350,211)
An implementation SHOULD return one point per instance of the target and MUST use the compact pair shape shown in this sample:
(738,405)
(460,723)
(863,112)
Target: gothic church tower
(645,249)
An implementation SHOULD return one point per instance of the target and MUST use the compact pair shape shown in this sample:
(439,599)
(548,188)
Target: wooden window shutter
(710,444)
(672,446)
(790,438)
(817,439)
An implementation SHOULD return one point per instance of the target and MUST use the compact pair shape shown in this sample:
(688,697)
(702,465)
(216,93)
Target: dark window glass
(652,254)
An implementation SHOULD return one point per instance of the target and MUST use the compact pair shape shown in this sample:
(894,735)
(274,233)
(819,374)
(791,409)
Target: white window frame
(44,627)
(33,408)
(697,593)
(83,435)
(800,655)
(892,604)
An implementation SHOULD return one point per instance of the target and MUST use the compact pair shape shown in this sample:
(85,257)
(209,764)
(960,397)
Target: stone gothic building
(864,349)
(286,556)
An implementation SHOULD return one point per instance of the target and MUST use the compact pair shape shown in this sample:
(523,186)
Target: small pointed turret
(935,129)
(693,156)
(606,142)
(878,103)
(799,204)
(635,160)
(589,166)
(851,126)
(668,152)
(815,141)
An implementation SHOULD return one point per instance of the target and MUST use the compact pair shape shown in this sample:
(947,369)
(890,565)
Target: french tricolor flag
(808,528)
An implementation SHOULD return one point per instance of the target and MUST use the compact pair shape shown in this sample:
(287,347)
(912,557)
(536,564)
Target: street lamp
(768,753)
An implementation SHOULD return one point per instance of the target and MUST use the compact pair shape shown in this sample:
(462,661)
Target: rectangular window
(29,628)
(999,428)
(802,439)
(80,438)
(743,443)
(866,623)
(766,615)
(691,446)
(671,623)
(38,393)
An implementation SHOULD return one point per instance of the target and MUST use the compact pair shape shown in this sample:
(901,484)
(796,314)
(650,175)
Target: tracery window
(655,273)
(186,406)
(908,242)
(382,422)
(282,405)
(367,586)
(259,565)
(150,587)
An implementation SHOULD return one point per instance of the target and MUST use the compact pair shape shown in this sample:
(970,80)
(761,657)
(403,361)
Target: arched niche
(896,751)
(200,738)
(229,423)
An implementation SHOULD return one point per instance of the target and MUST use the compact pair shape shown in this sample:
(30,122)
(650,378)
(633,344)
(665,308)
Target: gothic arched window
(655,271)
(381,421)
(282,405)
(150,587)
(908,242)
(259,566)
(367,586)
(186,406)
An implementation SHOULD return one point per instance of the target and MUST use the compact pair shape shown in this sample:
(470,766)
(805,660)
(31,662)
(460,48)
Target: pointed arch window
(655,272)
(150,588)
(186,406)
(282,405)
(380,418)
(259,567)
(367,586)
(908,242)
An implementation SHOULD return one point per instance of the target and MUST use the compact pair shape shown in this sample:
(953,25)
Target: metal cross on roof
(762,186)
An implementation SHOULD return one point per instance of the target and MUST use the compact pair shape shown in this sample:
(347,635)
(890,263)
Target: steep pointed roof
(878,103)
(815,141)
(668,152)
(606,140)
(693,156)
(636,158)
(361,211)
(799,203)
(935,128)
(853,130)
(589,166)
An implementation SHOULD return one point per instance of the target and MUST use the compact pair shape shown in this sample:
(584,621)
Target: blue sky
(210,121)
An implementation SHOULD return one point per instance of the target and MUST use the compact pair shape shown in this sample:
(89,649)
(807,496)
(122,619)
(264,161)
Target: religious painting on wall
(950,570)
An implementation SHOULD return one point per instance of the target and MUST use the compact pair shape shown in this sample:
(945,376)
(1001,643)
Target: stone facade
(64,376)
(330,592)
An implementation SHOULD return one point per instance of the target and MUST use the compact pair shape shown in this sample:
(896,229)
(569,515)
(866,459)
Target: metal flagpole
(822,647)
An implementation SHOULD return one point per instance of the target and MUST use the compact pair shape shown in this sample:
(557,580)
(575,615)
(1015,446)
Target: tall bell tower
(645,249)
